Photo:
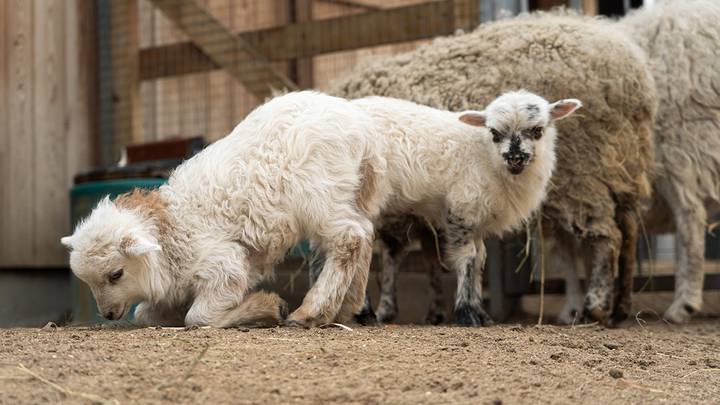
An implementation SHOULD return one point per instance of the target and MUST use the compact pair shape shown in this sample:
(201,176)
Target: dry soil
(639,363)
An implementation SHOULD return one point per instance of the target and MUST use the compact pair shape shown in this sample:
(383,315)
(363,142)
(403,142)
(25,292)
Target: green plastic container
(83,198)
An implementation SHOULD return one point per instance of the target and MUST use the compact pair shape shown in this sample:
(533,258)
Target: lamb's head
(521,124)
(112,250)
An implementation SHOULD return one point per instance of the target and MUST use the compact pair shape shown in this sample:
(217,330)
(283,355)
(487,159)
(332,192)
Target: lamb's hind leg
(348,246)
(392,253)
(436,310)
(690,217)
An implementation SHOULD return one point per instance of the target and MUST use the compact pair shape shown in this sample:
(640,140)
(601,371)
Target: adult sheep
(682,42)
(604,158)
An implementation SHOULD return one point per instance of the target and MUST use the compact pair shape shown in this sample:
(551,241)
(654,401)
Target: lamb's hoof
(366,317)
(283,309)
(385,315)
(299,320)
(435,318)
(680,312)
(597,314)
(569,316)
(619,314)
(465,315)
(296,324)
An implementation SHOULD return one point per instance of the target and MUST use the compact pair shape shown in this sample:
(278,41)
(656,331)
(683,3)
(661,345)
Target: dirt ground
(645,363)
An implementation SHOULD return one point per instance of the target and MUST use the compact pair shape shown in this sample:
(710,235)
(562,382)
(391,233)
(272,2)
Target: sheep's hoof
(620,313)
(465,315)
(435,318)
(680,312)
(366,317)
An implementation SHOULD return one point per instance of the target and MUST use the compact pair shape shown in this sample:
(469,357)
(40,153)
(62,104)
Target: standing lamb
(468,183)
(603,158)
(302,166)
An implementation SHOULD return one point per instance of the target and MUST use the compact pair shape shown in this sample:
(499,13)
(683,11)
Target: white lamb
(302,166)
(469,183)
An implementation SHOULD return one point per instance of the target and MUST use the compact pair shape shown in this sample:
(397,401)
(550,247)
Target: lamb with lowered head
(302,166)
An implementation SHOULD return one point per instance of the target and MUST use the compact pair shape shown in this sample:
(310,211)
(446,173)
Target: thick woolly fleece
(682,42)
(604,158)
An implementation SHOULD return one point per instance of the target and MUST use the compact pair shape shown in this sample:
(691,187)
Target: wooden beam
(301,68)
(353,3)
(590,7)
(227,50)
(124,56)
(307,39)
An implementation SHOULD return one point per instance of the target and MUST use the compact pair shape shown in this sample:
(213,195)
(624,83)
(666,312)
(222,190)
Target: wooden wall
(212,103)
(47,86)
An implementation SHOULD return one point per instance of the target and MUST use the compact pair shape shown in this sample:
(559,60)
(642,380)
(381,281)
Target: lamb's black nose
(109,315)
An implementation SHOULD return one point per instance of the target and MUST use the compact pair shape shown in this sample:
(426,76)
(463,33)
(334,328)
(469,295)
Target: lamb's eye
(497,136)
(115,276)
(535,132)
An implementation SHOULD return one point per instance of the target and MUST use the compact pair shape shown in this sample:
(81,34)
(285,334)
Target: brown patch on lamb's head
(114,250)
(149,203)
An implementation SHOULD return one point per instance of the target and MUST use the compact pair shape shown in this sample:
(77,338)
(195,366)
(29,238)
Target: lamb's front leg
(339,292)
(467,257)
(221,288)
(147,314)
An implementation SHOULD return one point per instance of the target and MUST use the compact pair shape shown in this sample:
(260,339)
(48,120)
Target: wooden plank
(590,7)
(127,112)
(220,115)
(396,25)
(224,48)
(19,230)
(148,89)
(168,89)
(81,94)
(302,68)
(466,15)
(50,147)
(5,191)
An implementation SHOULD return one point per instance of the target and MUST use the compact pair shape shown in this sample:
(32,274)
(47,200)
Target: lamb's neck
(524,193)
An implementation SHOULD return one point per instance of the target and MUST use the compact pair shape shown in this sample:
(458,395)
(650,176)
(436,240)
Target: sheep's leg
(467,258)
(564,256)
(436,310)
(627,265)
(348,247)
(599,298)
(392,253)
(356,297)
(147,314)
(690,217)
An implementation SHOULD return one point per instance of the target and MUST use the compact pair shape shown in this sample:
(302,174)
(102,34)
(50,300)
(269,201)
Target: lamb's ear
(474,118)
(67,241)
(563,108)
(135,245)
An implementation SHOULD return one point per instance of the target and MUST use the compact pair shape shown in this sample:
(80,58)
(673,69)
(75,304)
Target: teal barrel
(83,198)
